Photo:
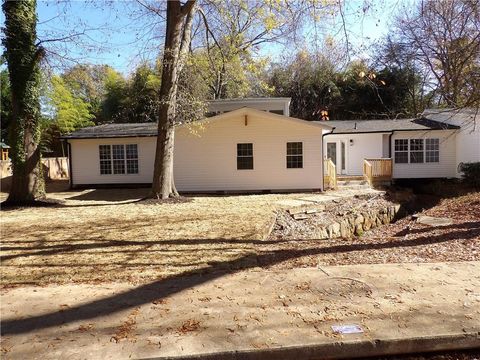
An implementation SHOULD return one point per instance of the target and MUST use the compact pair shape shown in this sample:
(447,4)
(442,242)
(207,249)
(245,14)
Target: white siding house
(247,149)
(242,150)
(445,167)
(467,143)
(419,148)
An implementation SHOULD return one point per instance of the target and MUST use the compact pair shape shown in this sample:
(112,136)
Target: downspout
(323,162)
(70,172)
(390,144)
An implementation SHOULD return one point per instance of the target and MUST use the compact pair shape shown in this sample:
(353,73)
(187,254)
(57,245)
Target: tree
(6,102)
(87,82)
(71,111)
(177,41)
(23,58)
(444,37)
(115,96)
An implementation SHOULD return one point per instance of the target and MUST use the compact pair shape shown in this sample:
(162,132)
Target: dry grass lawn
(108,235)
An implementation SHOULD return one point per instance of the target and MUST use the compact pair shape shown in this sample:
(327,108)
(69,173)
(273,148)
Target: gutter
(323,163)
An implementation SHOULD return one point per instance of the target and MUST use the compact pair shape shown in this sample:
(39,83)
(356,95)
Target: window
(432,150)
(118,159)
(245,156)
(294,155)
(416,151)
(132,158)
(401,151)
(105,159)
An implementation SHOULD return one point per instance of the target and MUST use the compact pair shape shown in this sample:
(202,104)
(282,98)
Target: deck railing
(377,170)
(330,174)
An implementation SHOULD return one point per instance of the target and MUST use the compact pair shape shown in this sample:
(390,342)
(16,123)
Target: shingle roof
(456,116)
(115,130)
(366,126)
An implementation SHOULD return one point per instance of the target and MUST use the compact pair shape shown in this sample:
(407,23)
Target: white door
(337,152)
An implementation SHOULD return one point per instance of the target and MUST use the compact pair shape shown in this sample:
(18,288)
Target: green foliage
(23,59)
(471,173)
(87,82)
(71,112)
(5,103)
(359,92)
(115,95)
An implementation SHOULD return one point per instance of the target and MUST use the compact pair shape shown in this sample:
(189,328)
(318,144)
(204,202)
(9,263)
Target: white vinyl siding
(434,152)
(86,161)
(206,157)
(357,148)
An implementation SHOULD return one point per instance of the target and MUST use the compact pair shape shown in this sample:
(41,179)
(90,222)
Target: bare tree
(177,42)
(444,36)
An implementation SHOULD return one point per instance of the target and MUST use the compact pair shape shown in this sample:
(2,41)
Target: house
(263,148)
(431,146)
(240,150)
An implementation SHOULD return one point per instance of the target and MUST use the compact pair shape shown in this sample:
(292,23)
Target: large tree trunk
(23,57)
(177,41)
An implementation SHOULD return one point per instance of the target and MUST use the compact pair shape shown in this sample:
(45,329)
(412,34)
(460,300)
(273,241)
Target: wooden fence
(56,168)
(377,170)
(330,174)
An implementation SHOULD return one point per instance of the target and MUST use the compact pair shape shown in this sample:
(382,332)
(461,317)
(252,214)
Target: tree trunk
(23,57)
(177,41)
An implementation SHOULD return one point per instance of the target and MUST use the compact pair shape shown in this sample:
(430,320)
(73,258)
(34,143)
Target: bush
(471,173)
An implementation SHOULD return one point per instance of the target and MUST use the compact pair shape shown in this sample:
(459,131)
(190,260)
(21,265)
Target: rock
(358,230)
(359,220)
(300,216)
(434,221)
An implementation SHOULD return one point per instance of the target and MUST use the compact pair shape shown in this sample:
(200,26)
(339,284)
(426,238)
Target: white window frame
(294,155)
(125,160)
(427,151)
(245,156)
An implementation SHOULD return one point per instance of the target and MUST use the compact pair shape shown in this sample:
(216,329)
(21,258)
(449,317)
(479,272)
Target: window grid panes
(245,156)
(294,155)
(118,159)
(132,158)
(432,150)
(118,152)
(105,159)
(416,151)
(401,151)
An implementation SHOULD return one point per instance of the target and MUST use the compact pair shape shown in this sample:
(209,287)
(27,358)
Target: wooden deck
(377,170)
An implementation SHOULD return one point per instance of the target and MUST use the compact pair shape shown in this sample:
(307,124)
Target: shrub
(471,173)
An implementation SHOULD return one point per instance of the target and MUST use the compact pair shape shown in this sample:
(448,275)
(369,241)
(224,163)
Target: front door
(339,161)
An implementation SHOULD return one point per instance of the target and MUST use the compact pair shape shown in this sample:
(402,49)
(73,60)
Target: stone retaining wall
(356,224)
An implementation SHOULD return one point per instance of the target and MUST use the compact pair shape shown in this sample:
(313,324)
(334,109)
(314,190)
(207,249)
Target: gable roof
(151,129)
(265,114)
(371,126)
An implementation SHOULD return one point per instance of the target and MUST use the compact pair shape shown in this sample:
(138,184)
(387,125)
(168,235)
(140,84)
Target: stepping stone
(434,221)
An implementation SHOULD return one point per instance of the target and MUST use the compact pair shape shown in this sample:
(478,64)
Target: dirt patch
(102,241)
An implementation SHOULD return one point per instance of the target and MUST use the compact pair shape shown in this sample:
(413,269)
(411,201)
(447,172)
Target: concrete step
(352,182)
(353,187)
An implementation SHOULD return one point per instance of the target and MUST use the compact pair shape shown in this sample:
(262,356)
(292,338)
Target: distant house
(260,147)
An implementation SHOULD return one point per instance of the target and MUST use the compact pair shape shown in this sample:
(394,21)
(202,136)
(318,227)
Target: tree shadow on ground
(163,288)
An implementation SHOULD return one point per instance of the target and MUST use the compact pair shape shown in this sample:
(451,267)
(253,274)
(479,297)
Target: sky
(113,33)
